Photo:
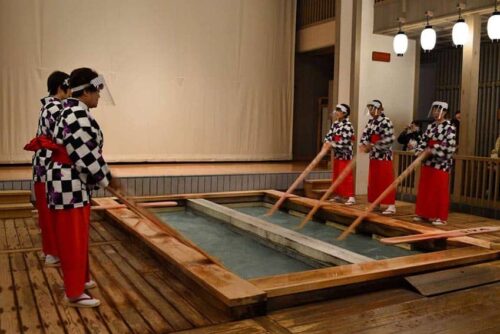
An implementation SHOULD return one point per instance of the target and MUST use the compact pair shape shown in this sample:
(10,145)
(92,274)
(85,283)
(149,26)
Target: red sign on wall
(381,56)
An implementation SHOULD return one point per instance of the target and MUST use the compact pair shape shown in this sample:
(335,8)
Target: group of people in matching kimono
(438,142)
(67,165)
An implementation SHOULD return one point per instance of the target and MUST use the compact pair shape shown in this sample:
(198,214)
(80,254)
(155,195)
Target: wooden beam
(294,283)
(302,244)
(470,86)
(439,235)
(223,285)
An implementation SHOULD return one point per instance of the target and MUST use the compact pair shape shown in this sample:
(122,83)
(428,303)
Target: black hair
(82,76)
(348,109)
(57,80)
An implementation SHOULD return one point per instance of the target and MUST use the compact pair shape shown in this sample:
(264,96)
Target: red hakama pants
(433,197)
(380,176)
(72,231)
(346,187)
(45,221)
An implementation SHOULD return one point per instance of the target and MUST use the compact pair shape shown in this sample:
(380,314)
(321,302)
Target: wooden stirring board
(439,235)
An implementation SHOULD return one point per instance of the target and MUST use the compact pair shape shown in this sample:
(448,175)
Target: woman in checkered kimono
(340,137)
(77,168)
(377,139)
(439,140)
(58,87)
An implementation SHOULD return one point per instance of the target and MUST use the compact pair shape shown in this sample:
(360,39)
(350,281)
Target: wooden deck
(399,310)
(138,294)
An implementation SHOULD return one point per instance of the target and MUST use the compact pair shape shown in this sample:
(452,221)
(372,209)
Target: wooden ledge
(222,284)
(293,283)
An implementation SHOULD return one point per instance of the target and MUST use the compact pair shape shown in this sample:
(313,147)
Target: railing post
(457,182)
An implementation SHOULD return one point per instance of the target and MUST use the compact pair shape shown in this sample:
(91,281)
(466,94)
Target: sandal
(350,201)
(52,261)
(84,301)
(439,222)
(391,209)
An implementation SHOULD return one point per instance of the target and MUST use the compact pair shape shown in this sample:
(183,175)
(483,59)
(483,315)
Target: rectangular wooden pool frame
(246,298)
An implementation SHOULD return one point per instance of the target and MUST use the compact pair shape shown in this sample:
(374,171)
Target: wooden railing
(474,181)
(314,11)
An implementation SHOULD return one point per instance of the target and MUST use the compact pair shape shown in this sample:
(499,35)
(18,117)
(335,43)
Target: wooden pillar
(470,86)
(342,54)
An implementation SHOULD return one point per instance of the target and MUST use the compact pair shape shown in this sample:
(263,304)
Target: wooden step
(316,188)
(15,196)
(16,210)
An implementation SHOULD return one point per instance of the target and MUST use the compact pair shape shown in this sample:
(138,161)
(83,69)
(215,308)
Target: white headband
(374,103)
(341,107)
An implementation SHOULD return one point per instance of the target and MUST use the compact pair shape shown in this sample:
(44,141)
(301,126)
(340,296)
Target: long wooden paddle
(379,199)
(440,235)
(330,190)
(302,176)
(142,212)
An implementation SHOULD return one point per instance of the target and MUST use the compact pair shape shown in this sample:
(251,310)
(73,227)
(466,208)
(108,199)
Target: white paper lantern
(460,33)
(400,43)
(428,38)
(494,26)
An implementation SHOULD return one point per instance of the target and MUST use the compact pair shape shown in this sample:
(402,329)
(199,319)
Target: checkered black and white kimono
(49,113)
(441,138)
(342,134)
(382,129)
(70,186)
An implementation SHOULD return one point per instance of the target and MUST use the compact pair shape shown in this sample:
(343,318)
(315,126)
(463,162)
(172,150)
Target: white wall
(392,83)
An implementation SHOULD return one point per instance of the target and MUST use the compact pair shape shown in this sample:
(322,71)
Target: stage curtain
(192,80)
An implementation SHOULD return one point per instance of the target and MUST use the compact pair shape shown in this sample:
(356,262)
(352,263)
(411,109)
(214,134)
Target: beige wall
(392,83)
(316,37)
(194,80)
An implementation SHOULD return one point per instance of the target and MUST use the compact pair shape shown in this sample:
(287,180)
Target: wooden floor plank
(111,230)
(30,317)
(93,321)
(214,315)
(240,327)
(137,258)
(94,235)
(3,236)
(418,316)
(70,317)
(143,307)
(9,322)
(195,317)
(98,225)
(169,313)
(22,233)
(109,315)
(315,312)
(111,295)
(455,279)
(11,234)
(45,302)
(34,231)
